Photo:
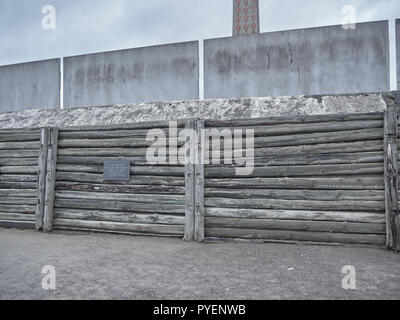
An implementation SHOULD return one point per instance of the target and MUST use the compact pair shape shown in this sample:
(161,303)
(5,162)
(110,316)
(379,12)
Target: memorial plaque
(117,170)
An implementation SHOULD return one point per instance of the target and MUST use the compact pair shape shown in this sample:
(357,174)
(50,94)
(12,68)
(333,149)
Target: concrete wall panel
(28,86)
(325,60)
(159,73)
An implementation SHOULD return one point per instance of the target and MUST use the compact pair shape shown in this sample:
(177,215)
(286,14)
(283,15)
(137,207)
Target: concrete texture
(159,73)
(398,52)
(28,86)
(246,17)
(205,109)
(98,266)
(326,60)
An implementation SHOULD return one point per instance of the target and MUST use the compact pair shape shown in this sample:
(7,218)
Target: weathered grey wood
(339,216)
(17,224)
(286,194)
(286,129)
(391,180)
(189,234)
(119,206)
(18,178)
(124,217)
(108,188)
(19,137)
(19,161)
(135,170)
(20,145)
(33,132)
(297,225)
(305,139)
(18,201)
(295,120)
(141,198)
(199,182)
(42,170)
(116,226)
(328,148)
(135,180)
(312,159)
(296,204)
(110,143)
(19,153)
(100,152)
(23,193)
(18,185)
(50,180)
(342,183)
(324,237)
(27,209)
(293,171)
(18,170)
(17,216)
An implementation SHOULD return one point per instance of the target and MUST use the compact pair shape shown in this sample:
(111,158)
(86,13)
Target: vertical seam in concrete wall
(62,83)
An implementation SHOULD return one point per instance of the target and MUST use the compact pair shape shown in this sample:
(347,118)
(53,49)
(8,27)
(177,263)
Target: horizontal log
(112,143)
(20,145)
(19,161)
(100,152)
(124,217)
(312,159)
(34,132)
(328,148)
(136,161)
(119,206)
(19,153)
(110,134)
(297,225)
(285,194)
(130,189)
(115,226)
(135,180)
(303,139)
(301,171)
(142,198)
(23,193)
(339,216)
(17,216)
(135,170)
(343,183)
(299,119)
(302,128)
(15,137)
(18,178)
(18,170)
(323,237)
(18,185)
(17,224)
(124,126)
(296,204)
(18,201)
(18,209)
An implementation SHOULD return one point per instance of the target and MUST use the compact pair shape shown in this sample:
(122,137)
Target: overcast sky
(86,26)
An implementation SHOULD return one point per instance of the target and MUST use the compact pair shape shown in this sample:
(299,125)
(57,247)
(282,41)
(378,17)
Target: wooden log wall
(315,178)
(19,154)
(151,203)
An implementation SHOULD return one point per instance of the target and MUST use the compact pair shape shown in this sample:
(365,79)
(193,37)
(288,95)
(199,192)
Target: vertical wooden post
(50,180)
(199,186)
(189,181)
(391,180)
(42,169)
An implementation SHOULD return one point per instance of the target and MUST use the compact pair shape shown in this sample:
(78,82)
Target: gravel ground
(102,266)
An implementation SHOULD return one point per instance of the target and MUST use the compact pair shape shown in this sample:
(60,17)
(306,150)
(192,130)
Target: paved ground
(98,266)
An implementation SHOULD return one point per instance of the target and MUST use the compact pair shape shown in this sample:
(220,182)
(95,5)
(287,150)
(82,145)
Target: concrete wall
(159,73)
(219,109)
(27,86)
(326,60)
(398,52)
